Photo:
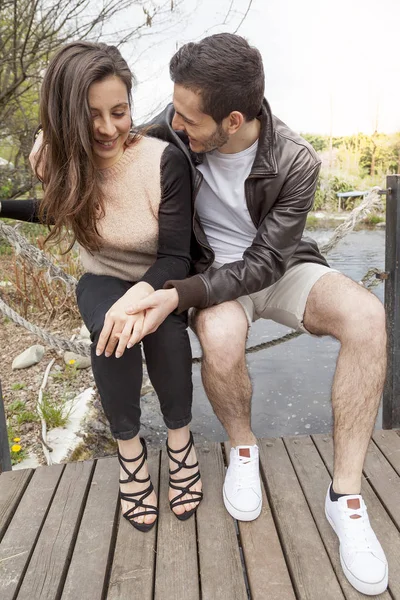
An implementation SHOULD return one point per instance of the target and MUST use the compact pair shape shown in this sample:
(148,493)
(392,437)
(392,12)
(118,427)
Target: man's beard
(216,140)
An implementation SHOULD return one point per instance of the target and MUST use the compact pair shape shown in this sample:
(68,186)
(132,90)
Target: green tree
(30,32)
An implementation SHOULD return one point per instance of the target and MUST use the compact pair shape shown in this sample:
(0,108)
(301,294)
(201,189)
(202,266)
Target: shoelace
(357,531)
(246,471)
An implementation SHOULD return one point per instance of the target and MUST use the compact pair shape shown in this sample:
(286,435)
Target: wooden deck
(62,536)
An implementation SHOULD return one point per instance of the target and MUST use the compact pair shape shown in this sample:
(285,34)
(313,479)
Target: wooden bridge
(62,536)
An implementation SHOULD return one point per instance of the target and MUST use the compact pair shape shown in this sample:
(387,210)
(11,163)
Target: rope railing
(38,259)
(34,255)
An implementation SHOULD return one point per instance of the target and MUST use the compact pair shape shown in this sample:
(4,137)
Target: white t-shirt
(221,203)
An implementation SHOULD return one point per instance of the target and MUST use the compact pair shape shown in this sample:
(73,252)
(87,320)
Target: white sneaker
(361,555)
(242,487)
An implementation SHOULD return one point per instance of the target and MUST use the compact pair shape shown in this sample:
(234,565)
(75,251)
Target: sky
(329,65)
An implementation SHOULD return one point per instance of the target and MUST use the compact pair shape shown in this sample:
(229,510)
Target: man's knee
(222,328)
(340,307)
(366,321)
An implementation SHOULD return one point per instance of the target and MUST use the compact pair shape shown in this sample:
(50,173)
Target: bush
(327,188)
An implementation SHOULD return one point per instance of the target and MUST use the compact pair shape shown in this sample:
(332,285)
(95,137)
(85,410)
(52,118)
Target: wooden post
(5,458)
(391,394)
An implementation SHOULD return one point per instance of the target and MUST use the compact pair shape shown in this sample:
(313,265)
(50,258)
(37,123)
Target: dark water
(292,381)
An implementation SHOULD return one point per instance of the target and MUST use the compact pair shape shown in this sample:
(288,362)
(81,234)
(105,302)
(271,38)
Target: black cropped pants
(119,380)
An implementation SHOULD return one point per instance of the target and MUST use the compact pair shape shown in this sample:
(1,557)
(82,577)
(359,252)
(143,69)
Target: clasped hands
(139,312)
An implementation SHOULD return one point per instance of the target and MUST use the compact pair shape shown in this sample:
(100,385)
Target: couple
(202,211)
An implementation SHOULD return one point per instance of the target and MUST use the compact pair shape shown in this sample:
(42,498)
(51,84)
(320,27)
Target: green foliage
(327,188)
(68,375)
(312,222)
(373,219)
(26,416)
(15,407)
(361,155)
(55,412)
(18,386)
(17,455)
(318,142)
(17,411)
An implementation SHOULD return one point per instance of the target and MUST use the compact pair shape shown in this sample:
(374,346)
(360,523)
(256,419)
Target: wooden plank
(388,443)
(177,573)
(88,568)
(12,486)
(383,526)
(311,570)
(47,568)
(220,564)
(132,574)
(314,480)
(384,480)
(19,541)
(265,563)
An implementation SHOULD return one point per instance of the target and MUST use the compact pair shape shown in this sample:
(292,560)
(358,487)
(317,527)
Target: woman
(126,200)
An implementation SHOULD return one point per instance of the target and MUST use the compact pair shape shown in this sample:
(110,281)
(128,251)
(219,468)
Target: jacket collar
(264,163)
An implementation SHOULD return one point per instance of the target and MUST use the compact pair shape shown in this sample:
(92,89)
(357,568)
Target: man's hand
(119,330)
(157,307)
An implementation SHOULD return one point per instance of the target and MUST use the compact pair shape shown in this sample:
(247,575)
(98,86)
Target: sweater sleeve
(21,210)
(175,221)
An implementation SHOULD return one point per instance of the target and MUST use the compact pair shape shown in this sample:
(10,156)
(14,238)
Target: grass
(312,222)
(68,375)
(17,411)
(373,219)
(27,416)
(15,407)
(31,293)
(17,451)
(18,386)
(55,413)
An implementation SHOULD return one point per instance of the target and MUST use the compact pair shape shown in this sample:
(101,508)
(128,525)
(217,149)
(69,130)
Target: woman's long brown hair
(72,196)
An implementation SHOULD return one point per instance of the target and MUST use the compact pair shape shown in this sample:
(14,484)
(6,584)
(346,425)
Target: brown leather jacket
(279,193)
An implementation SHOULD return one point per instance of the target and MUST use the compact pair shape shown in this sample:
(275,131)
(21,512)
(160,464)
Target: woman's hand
(157,306)
(121,331)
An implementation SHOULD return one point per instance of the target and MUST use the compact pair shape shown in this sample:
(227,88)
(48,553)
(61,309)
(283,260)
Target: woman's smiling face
(111,117)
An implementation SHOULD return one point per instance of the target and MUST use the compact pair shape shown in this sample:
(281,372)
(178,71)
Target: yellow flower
(16,439)
(72,361)
(16,448)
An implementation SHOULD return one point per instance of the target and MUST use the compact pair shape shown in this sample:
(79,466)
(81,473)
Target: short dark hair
(226,71)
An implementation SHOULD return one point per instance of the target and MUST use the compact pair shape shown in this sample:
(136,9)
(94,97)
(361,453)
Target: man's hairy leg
(339,307)
(222,332)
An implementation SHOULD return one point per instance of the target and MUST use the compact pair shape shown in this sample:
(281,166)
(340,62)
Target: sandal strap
(132,476)
(181,463)
(150,509)
(189,481)
(137,498)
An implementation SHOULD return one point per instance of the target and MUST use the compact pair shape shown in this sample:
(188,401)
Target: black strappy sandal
(188,481)
(137,498)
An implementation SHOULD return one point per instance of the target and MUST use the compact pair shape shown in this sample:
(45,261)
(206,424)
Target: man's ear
(234,121)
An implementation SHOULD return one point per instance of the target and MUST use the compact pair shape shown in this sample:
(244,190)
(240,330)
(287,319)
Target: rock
(31,356)
(84,333)
(81,362)
(146,386)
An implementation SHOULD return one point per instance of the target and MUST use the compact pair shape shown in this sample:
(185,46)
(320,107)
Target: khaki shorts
(285,301)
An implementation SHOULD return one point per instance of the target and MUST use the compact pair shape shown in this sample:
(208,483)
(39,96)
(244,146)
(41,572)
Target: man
(254,182)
